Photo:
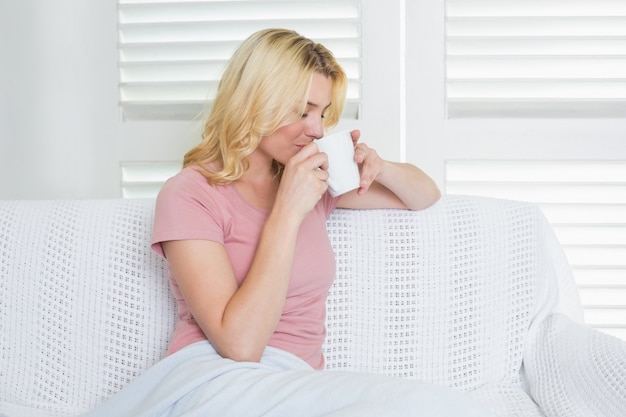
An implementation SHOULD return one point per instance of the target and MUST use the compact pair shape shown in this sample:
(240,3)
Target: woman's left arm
(386,184)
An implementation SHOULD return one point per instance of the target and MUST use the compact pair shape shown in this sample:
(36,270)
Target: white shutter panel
(536,58)
(143,179)
(585,201)
(172,53)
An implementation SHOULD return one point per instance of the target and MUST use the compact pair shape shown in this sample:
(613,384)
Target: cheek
(291,131)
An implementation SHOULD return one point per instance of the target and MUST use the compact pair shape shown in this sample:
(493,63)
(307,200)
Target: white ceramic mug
(342,168)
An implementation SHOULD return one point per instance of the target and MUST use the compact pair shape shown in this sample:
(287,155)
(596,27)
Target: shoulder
(187,180)
(188,207)
(189,194)
(189,185)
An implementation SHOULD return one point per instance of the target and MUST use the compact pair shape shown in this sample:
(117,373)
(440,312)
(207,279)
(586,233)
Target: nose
(315,128)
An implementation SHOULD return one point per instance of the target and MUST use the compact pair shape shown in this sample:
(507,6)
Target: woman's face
(287,141)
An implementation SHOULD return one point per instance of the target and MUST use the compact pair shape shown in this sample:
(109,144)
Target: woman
(243,229)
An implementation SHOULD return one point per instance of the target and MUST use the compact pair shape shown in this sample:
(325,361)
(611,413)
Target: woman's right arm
(239,321)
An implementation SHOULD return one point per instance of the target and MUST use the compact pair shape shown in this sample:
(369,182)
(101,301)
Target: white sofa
(473,293)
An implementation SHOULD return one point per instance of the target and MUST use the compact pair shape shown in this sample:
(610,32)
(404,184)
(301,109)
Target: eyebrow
(308,103)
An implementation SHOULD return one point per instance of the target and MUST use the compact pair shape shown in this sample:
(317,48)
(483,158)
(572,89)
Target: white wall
(59,99)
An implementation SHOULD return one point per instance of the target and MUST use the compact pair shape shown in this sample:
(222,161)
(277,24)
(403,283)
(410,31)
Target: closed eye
(314,106)
(307,114)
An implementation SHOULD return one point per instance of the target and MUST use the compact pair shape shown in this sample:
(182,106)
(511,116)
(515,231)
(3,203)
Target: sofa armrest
(572,370)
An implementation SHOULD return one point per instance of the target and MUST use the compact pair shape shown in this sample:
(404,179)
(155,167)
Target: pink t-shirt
(189,208)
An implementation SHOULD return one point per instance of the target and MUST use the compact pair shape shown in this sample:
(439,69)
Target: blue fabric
(197,381)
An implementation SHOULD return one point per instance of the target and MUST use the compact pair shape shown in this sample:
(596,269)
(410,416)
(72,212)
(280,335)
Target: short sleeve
(187,207)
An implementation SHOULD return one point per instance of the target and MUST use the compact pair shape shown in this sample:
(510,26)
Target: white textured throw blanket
(196,381)
(472,293)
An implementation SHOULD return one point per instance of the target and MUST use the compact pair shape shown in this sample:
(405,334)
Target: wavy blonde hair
(265,86)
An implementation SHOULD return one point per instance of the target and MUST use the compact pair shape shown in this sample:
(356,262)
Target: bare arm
(386,184)
(239,321)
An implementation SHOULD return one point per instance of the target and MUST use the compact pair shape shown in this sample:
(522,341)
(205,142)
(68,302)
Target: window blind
(585,202)
(144,179)
(536,58)
(172,52)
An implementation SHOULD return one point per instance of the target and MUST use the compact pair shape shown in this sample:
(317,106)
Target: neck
(259,185)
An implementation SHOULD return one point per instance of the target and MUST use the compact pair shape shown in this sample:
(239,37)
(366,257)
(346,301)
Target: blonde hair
(265,86)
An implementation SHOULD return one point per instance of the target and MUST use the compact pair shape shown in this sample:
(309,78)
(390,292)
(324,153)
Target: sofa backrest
(445,295)
(84,304)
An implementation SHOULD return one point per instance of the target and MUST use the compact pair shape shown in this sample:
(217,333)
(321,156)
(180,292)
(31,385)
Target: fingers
(370,165)
(356,135)
(307,151)
(360,151)
(311,156)
(309,163)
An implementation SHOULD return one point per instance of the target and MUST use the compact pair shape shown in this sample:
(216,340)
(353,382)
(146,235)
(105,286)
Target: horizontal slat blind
(586,204)
(172,53)
(145,179)
(536,58)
